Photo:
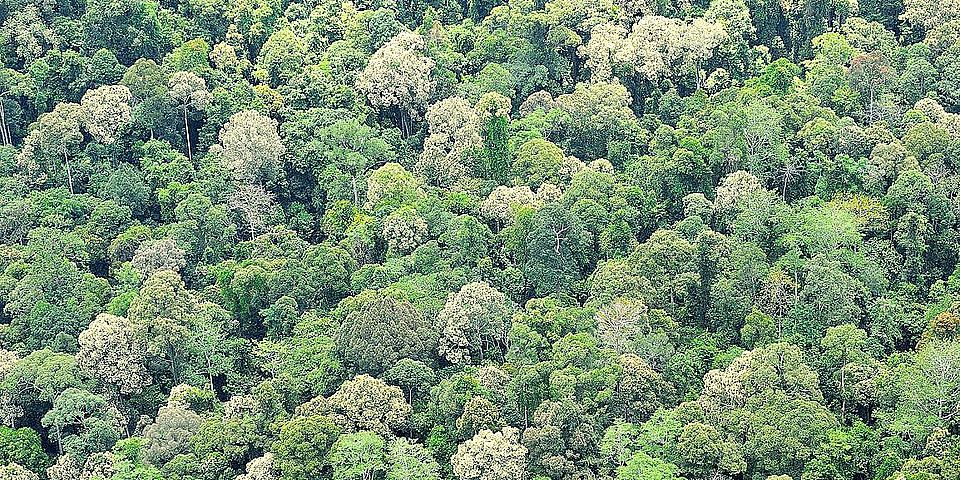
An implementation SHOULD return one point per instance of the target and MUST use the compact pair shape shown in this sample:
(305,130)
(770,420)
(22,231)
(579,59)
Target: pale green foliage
(170,433)
(106,112)
(251,147)
(454,134)
(357,456)
(47,149)
(367,403)
(410,461)
(475,324)
(16,472)
(111,352)
(398,76)
(491,456)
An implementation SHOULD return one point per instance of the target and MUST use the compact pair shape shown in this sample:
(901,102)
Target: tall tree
(188,91)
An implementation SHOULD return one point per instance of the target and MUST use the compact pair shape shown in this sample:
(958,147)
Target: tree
(187,91)
(130,29)
(301,450)
(557,249)
(699,40)
(154,255)
(475,322)
(81,422)
(601,51)
(491,456)
(391,186)
(151,102)
(652,46)
(282,57)
(454,136)
(357,456)
(349,150)
(106,112)
(256,204)
(54,300)
(251,147)
(703,452)
(53,138)
(639,390)
(619,324)
(503,202)
(924,15)
(111,352)
(170,434)
(378,330)
(407,460)
(596,115)
(843,347)
(367,403)
(413,376)
(23,447)
(38,377)
(260,468)
(538,161)
(12,471)
(160,315)
(404,229)
(870,74)
(776,368)
(925,392)
(398,77)
(494,111)
(644,467)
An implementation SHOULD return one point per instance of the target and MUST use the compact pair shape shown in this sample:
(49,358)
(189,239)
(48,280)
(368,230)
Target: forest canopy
(479,240)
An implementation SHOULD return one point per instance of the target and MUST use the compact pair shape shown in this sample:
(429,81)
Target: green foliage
(22,446)
(302,447)
(479,239)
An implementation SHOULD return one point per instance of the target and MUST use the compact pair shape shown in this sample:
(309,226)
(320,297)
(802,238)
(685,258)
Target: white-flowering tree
(368,403)
(501,203)
(699,42)
(111,352)
(106,112)
(187,90)
(475,324)
(491,456)
(606,40)
(732,192)
(659,47)
(162,254)
(260,468)
(404,230)
(398,76)
(251,147)
(454,133)
(13,471)
(53,138)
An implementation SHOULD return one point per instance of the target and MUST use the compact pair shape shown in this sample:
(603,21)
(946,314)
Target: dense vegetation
(489,240)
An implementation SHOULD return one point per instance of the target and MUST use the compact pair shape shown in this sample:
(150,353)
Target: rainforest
(479,240)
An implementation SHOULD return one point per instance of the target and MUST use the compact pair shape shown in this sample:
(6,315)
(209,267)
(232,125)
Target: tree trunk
(66,161)
(356,194)
(174,364)
(59,440)
(843,398)
(4,133)
(186,132)
(209,371)
(405,123)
